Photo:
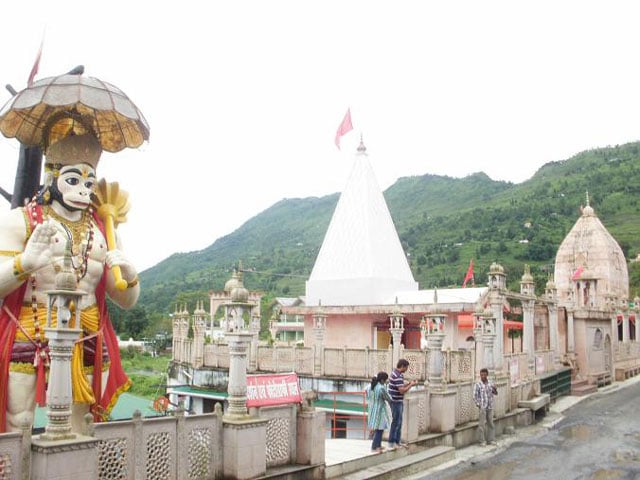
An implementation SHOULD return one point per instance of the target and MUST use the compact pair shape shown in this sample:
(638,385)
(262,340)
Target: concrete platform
(353,459)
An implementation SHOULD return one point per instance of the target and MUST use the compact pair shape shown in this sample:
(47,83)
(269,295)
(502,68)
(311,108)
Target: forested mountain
(443,222)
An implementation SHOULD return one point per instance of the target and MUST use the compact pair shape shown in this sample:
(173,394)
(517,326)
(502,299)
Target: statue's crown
(75,149)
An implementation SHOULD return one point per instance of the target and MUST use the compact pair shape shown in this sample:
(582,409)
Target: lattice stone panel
(465,404)
(200,447)
(278,435)
(304,361)
(112,459)
(461,366)
(6,467)
(423,414)
(380,361)
(417,361)
(158,456)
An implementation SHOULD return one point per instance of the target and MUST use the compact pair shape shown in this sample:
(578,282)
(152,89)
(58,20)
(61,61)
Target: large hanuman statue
(32,244)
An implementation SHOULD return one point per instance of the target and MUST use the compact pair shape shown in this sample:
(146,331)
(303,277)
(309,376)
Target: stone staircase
(582,387)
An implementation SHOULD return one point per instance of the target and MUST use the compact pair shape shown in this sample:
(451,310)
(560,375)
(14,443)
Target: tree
(135,321)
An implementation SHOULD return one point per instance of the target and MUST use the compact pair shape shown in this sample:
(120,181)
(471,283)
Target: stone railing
(364,363)
(179,446)
(11,454)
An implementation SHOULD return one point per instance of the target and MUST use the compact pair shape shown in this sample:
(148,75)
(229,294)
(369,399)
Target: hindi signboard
(275,389)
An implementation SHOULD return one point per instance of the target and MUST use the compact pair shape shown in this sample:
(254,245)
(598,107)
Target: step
(292,472)
(579,383)
(583,390)
(404,465)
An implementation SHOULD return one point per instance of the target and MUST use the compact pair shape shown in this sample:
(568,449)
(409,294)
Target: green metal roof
(198,392)
(123,409)
(328,404)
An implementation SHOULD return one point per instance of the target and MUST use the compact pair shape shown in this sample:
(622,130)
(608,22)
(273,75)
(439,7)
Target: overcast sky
(244,97)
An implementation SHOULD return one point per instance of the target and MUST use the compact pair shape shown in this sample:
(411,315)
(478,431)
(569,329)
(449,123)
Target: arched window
(597,339)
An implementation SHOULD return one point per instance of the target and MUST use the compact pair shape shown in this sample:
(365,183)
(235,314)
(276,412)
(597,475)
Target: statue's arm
(128,297)
(23,257)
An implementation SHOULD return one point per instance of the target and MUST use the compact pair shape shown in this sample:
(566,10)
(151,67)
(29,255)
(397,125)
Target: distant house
(287,327)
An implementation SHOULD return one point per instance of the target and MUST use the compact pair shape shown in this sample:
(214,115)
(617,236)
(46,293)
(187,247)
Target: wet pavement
(595,438)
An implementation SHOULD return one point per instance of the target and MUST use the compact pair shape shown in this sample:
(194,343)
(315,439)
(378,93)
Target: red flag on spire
(344,128)
(36,65)
(577,273)
(469,275)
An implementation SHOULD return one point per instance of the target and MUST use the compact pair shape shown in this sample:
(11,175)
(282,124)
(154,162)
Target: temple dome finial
(587,211)
(361,147)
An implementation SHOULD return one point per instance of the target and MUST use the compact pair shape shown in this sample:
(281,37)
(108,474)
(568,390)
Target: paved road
(598,439)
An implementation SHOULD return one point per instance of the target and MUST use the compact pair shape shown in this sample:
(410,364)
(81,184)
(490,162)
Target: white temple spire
(361,261)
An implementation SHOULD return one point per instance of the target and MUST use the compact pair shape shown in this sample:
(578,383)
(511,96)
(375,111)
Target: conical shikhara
(112,205)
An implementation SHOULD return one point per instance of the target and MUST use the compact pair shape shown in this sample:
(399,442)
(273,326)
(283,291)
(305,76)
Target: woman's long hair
(380,378)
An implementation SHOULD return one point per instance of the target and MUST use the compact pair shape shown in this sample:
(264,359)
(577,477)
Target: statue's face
(75,184)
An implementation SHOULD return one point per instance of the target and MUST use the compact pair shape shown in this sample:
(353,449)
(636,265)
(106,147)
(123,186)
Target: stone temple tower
(590,269)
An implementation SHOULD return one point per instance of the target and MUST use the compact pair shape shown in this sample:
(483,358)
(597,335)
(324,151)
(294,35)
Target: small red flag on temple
(36,65)
(344,128)
(577,273)
(469,275)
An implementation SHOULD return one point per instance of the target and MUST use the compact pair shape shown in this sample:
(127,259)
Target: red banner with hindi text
(276,389)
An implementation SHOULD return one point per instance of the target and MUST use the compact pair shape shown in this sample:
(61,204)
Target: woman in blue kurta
(377,416)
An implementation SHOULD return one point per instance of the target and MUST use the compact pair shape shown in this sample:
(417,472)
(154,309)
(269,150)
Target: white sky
(244,97)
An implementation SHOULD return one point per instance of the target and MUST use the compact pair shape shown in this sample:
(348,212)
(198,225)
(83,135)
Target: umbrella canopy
(54,107)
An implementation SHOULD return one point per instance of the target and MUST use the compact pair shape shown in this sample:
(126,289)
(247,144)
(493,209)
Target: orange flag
(469,275)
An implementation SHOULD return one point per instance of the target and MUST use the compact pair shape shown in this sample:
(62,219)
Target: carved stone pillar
(319,330)
(435,339)
(199,327)
(498,333)
(528,335)
(59,392)
(551,293)
(554,343)
(571,339)
(255,332)
(434,354)
(237,389)
(489,339)
(62,337)
(238,337)
(396,327)
(478,330)
(625,321)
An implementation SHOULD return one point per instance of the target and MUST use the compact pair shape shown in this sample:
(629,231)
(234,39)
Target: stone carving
(200,446)
(158,460)
(112,459)
(278,435)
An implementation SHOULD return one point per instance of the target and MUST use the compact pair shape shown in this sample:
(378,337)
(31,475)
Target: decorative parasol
(112,206)
(55,106)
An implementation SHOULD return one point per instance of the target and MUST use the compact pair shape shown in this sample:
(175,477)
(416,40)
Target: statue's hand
(40,249)
(116,257)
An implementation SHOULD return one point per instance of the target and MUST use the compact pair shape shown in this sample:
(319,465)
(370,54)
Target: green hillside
(443,222)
